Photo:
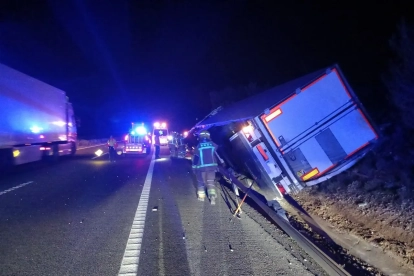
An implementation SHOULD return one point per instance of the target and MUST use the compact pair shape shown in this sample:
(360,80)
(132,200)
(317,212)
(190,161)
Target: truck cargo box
(299,133)
(31,111)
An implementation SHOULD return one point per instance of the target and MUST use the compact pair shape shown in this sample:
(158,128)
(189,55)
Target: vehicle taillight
(281,188)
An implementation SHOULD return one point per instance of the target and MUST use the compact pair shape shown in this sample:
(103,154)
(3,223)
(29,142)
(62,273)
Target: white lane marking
(90,147)
(130,260)
(15,187)
(99,155)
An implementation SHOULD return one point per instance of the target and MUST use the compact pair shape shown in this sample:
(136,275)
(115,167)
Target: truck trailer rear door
(319,127)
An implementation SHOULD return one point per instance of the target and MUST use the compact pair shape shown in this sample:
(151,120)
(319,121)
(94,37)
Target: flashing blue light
(141,130)
(36,129)
(133,132)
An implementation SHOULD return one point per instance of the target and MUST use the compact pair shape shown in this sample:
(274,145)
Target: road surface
(138,216)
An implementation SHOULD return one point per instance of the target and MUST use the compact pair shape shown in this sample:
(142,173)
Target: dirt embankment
(374,199)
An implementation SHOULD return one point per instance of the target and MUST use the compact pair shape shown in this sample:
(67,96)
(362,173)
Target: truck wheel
(51,155)
(73,148)
(55,152)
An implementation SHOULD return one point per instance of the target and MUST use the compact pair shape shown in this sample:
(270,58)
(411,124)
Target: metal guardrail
(91,142)
(329,265)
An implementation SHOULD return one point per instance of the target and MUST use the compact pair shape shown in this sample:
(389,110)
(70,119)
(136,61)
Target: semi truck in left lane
(36,120)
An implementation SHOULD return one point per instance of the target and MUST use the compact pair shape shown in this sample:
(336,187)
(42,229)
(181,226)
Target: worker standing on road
(157,145)
(205,167)
(111,148)
(172,144)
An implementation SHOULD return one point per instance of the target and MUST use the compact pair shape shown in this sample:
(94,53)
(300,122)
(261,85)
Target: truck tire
(55,153)
(73,148)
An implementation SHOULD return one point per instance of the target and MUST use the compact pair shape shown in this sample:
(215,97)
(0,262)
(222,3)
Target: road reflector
(310,174)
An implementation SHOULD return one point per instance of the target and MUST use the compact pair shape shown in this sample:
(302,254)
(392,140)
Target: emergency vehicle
(138,140)
(162,130)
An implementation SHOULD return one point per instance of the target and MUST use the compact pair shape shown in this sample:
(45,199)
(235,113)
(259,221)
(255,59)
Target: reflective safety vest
(180,141)
(204,156)
(157,140)
(112,142)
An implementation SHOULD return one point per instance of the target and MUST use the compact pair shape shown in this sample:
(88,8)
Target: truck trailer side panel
(32,111)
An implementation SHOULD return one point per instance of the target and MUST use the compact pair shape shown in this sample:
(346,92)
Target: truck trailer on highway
(37,120)
(297,134)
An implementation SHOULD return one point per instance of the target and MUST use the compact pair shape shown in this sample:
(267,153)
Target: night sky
(123,61)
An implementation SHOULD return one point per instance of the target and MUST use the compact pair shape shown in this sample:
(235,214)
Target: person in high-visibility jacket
(205,166)
(111,148)
(157,145)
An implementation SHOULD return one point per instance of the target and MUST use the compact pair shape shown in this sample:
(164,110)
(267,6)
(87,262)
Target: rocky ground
(373,200)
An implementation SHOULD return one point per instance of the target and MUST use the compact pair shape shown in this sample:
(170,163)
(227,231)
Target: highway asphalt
(138,216)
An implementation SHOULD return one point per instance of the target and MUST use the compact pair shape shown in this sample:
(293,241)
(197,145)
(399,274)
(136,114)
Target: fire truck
(138,140)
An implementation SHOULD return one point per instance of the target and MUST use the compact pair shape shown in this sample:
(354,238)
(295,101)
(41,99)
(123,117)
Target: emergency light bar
(158,125)
(141,130)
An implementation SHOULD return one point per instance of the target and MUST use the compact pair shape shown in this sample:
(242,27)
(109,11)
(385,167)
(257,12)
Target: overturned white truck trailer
(294,135)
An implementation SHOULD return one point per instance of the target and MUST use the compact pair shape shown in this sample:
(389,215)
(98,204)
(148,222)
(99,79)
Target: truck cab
(137,141)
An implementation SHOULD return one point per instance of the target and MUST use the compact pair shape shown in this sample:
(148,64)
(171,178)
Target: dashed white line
(130,261)
(15,187)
